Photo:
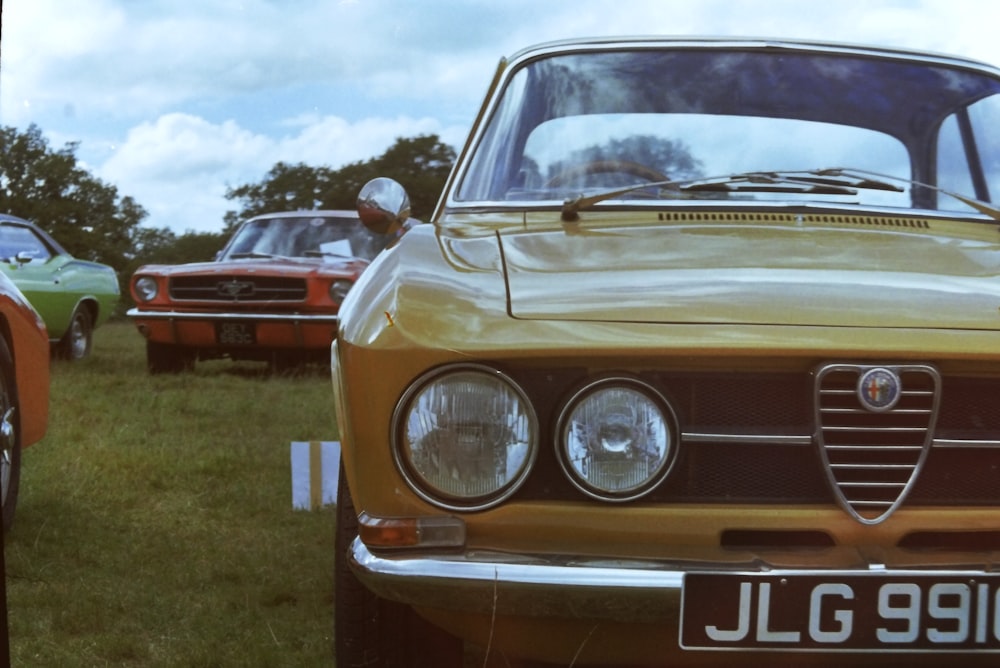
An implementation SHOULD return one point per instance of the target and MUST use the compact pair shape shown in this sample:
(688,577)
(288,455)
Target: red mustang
(272,294)
(24,388)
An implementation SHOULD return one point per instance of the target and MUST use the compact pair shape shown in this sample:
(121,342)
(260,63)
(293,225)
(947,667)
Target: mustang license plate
(235,333)
(824,612)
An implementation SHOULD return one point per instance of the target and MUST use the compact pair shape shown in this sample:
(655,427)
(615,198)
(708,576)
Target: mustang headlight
(339,289)
(617,439)
(146,288)
(465,437)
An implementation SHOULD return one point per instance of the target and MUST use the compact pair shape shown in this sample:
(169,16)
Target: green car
(72,296)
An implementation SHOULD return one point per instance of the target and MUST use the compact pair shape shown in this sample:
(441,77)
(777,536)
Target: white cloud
(179,145)
(180,166)
(335,142)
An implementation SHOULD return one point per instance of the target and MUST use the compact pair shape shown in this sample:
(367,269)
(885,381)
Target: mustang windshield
(305,236)
(596,121)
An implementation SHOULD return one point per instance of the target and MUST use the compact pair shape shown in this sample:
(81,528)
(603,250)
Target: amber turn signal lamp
(383,533)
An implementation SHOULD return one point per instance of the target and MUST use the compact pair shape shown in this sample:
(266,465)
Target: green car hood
(939,275)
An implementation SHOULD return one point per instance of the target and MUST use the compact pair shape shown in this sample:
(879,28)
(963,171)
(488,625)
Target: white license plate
(821,612)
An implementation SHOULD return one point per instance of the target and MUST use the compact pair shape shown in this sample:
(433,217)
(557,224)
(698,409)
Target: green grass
(155,525)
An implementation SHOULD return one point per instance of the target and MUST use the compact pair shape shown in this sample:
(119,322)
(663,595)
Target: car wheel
(10,442)
(167,358)
(372,631)
(79,338)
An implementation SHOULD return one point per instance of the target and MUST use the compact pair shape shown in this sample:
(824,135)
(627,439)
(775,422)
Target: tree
(421,164)
(46,186)
(285,188)
(672,158)
(162,246)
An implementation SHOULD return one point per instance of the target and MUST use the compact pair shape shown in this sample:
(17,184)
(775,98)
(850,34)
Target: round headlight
(146,288)
(466,437)
(339,289)
(617,439)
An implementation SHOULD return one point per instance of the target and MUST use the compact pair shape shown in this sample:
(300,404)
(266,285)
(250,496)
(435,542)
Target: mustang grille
(872,454)
(237,288)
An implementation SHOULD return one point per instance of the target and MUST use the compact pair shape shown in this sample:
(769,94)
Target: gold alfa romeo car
(697,362)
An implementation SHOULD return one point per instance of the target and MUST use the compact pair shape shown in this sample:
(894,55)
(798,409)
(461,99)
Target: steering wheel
(606,167)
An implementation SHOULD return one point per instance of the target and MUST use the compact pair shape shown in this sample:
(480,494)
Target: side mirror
(383,206)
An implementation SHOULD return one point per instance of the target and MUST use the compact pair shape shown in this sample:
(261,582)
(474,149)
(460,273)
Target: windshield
(330,237)
(583,122)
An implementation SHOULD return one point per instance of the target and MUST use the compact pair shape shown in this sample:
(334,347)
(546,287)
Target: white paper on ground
(315,467)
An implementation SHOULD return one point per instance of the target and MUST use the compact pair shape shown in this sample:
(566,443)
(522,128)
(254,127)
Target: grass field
(155,524)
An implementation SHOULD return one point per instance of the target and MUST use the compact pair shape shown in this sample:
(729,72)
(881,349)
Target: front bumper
(956,609)
(491,582)
(271,331)
(217,316)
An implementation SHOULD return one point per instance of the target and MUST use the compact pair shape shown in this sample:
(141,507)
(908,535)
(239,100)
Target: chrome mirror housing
(383,205)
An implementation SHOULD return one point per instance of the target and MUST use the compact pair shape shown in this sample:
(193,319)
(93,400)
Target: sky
(174,102)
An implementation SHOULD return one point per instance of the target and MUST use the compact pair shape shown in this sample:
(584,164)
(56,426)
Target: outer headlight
(146,288)
(617,439)
(465,437)
(339,289)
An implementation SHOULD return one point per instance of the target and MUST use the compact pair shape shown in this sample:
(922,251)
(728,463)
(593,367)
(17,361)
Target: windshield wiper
(257,255)
(980,206)
(323,253)
(252,254)
(827,181)
(792,182)
(572,207)
(798,182)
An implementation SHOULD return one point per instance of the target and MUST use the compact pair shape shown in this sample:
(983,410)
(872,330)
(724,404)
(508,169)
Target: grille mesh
(237,288)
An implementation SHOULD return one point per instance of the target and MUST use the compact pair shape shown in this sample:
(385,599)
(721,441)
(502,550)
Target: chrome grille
(871,454)
(243,288)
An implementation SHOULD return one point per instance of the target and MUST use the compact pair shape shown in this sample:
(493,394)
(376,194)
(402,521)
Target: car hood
(941,275)
(296,267)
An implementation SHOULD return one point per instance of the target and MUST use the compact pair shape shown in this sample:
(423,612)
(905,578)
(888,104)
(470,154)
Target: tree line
(93,221)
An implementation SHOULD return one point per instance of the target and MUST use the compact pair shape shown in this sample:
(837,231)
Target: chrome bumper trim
(524,585)
(612,589)
(213,316)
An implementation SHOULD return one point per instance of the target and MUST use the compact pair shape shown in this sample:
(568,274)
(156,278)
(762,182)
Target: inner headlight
(617,439)
(146,288)
(466,437)
(339,289)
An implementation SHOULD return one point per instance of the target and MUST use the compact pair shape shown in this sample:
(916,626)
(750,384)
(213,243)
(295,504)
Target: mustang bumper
(215,316)
(215,329)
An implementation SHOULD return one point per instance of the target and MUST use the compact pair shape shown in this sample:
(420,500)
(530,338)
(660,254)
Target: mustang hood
(730,274)
(295,267)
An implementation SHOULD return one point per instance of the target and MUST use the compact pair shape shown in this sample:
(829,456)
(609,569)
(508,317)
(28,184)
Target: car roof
(719,42)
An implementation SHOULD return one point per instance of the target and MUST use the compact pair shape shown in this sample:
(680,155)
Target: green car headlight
(146,288)
(617,439)
(465,437)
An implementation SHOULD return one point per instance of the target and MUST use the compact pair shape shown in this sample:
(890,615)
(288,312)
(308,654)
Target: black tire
(10,437)
(372,631)
(78,340)
(167,358)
